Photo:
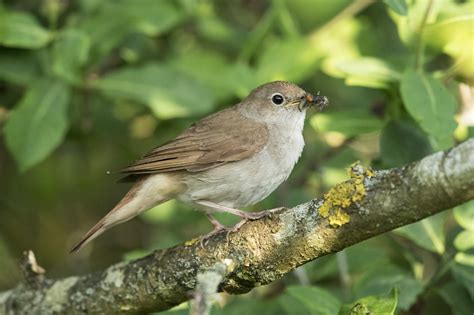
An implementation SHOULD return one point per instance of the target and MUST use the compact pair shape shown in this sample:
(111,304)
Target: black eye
(277,99)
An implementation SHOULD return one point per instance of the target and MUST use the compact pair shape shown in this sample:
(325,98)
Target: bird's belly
(246,182)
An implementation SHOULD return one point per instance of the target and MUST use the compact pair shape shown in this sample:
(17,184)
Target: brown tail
(146,193)
(120,213)
(95,231)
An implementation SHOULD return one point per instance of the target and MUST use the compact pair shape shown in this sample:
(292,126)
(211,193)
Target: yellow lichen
(191,242)
(339,218)
(369,173)
(324,209)
(345,194)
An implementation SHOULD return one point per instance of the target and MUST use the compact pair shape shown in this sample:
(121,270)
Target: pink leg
(243,214)
(217,228)
(246,216)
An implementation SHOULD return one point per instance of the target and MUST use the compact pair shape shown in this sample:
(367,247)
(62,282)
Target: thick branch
(369,204)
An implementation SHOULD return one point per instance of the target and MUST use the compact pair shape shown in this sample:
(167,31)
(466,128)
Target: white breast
(248,181)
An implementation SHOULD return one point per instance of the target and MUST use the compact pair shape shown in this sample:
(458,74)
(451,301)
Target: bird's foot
(251,216)
(218,227)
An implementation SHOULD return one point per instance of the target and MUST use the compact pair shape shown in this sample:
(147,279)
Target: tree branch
(369,204)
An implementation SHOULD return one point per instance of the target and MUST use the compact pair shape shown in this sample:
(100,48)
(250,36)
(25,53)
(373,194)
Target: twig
(420,44)
(207,285)
(33,273)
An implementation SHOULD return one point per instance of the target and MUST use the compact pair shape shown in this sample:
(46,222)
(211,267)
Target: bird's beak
(317,101)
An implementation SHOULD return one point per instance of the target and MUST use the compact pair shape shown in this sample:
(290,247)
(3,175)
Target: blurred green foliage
(88,86)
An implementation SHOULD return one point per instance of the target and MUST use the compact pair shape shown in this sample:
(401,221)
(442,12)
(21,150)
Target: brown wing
(220,138)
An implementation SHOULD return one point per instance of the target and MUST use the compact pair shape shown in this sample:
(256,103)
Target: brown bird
(228,160)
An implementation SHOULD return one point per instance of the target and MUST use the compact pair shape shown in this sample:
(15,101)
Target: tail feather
(117,215)
(146,193)
(95,231)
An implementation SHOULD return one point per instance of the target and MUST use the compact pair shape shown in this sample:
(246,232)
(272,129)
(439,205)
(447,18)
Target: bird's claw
(207,236)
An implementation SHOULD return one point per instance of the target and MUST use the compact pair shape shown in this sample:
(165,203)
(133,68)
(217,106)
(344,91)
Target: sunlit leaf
(385,305)
(409,24)
(363,71)
(402,142)
(38,123)
(399,6)
(70,52)
(168,92)
(428,233)
(452,34)
(464,258)
(464,215)
(464,240)
(21,30)
(431,105)
(291,60)
(349,122)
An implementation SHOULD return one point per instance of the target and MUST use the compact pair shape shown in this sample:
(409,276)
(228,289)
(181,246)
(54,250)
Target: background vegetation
(88,86)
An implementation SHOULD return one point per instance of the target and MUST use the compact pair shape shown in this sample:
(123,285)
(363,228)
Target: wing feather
(223,137)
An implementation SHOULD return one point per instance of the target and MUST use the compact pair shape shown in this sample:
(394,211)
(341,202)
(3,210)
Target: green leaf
(203,66)
(450,34)
(363,71)
(292,306)
(106,31)
(385,305)
(168,92)
(465,275)
(313,299)
(464,259)
(428,233)
(409,25)
(113,21)
(381,279)
(366,255)
(38,123)
(464,240)
(464,215)
(21,30)
(248,306)
(457,297)
(349,122)
(399,6)
(291,60)
(402,142)
(431,105)
(70,52)
(19,67)
(152,17)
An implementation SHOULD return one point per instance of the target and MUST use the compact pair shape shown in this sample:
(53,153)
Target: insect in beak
(317,100)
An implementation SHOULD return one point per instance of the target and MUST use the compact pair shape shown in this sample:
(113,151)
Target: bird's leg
(217,228)
(217,225)
(220,208)
(246,216)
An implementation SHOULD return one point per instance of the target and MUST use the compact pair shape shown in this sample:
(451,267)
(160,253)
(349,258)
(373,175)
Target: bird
(228,160)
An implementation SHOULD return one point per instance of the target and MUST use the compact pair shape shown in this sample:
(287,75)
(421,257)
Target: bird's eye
(277,99)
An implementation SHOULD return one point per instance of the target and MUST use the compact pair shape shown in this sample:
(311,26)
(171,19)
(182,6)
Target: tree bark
(368,204)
